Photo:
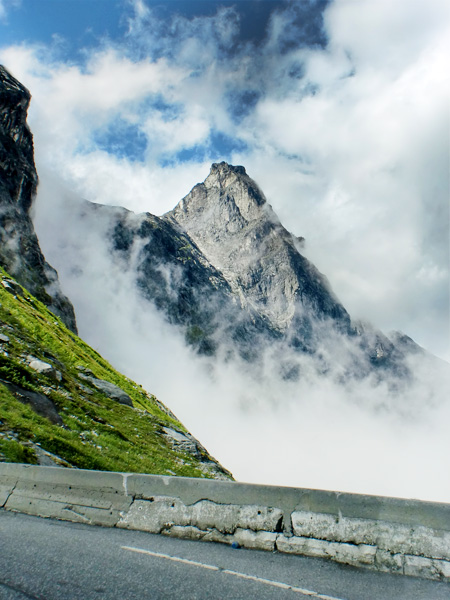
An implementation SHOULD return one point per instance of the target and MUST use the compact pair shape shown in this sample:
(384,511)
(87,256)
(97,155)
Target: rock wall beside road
(408,537)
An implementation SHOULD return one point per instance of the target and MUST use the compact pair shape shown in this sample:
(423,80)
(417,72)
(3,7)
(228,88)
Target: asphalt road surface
(46,559)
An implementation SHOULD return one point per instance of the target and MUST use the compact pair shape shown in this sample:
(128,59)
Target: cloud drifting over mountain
(325,430)
(339,110)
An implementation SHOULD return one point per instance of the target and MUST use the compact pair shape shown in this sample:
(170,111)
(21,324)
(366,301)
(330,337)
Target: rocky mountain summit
(230,221)
(20,253)
(235,228)
(222,268)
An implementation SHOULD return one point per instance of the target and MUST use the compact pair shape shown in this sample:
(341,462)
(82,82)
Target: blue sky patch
(122,139)
(218,147)
(69,26)
(242,103)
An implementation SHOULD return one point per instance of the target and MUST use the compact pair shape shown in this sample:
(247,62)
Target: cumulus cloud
(340,113)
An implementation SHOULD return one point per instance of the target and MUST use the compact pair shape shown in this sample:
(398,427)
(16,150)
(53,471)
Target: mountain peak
(228,218)
(234,185)
(225,168)
(227,201)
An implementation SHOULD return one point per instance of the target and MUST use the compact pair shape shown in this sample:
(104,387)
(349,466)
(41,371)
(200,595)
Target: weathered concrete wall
(387,534)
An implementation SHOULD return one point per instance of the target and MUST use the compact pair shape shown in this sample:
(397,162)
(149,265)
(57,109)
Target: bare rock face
(231,222)
(42,405)
(222,267)
(20,253)
(173,274)
(111,390)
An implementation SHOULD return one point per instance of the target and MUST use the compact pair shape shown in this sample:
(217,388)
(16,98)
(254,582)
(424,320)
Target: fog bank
(313,433)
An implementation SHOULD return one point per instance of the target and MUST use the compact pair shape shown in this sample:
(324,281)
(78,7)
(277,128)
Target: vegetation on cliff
(62,403)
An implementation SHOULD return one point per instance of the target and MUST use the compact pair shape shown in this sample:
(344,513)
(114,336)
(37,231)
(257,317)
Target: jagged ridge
(231,222)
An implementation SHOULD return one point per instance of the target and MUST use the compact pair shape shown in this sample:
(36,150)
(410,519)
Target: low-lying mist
(314,433)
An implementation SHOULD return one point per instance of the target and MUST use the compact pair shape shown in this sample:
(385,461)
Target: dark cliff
(20,253)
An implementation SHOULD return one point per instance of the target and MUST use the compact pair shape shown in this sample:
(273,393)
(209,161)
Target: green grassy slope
(84,426)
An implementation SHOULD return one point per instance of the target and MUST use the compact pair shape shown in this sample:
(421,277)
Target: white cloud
(309,434)
(352,154)
(385,36)
(120,182)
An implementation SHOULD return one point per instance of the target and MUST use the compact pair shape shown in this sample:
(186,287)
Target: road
(46,559)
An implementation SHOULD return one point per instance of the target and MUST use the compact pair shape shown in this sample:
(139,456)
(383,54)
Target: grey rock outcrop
(174,275)
(44,368)
(42,405)
(190,445)
(20,253)
(106,387)
(231,223)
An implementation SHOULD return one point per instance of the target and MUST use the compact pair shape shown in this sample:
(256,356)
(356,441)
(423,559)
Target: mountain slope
(62,403)
(223,270)
(20,253)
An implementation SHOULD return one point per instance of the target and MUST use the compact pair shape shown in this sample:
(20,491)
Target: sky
(339,109)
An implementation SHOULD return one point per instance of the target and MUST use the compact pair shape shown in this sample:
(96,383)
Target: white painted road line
(277,584)
(174,558)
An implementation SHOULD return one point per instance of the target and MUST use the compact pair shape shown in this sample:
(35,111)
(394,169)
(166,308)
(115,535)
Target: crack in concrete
(9,495)
(279,526)
(17,589)
(85,519)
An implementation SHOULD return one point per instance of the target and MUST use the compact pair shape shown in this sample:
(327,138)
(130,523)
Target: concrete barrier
(410,537)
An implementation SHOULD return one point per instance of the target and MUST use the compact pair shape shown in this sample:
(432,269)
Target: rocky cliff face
(231,222)
(20,253)
(172,273)
(222,267)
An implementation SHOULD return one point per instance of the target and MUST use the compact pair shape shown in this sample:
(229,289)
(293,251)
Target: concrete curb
(409,537)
